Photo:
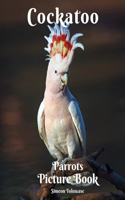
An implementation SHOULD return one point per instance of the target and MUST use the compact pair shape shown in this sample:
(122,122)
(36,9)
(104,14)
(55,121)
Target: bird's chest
(58,131)
(56,110)
(58,123)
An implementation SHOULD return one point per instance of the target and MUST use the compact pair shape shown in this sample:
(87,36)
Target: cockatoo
(60,122)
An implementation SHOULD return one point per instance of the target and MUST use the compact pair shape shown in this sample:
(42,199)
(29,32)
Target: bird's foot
(55,164)
(65,162)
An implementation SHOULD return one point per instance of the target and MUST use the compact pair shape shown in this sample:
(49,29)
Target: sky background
(97,81)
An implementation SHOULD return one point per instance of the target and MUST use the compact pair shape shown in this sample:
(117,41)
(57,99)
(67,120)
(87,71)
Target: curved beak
(64,79)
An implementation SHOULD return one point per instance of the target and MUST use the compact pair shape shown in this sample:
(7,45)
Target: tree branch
(89,164)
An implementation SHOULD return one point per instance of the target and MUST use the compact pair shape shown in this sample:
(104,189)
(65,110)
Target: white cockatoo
(60,122)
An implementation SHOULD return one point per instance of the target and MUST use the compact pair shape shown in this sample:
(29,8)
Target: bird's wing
(41,123)
(78,122)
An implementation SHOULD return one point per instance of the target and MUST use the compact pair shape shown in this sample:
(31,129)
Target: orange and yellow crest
(59,41)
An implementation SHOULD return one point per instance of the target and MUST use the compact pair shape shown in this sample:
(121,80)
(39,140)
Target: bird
(60,122)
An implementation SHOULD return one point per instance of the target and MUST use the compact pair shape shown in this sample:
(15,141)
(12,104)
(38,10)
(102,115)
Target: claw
(52,171)
(65,162)
(55,163)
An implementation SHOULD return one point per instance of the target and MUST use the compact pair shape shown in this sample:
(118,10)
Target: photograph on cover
(62,102)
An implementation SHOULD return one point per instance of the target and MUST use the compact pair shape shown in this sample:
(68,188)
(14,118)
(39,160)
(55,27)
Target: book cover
(96,80)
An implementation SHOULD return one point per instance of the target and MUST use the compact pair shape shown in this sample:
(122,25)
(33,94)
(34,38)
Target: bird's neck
(54,89)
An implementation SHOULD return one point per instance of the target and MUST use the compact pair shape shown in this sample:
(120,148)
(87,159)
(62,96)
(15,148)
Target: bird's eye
(55,71)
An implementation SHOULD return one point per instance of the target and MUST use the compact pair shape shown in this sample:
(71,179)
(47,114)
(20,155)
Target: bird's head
(61,50)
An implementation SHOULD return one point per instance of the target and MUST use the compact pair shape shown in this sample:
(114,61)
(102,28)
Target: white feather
(61,29)
(78,122)
(48,39)
(57,29)
(68,34)
(78,45)
(39,116)
(47,49)
(50,28)
(47,59)
(74,37)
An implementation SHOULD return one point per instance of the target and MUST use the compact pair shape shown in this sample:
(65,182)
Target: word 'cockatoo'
(60,121)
